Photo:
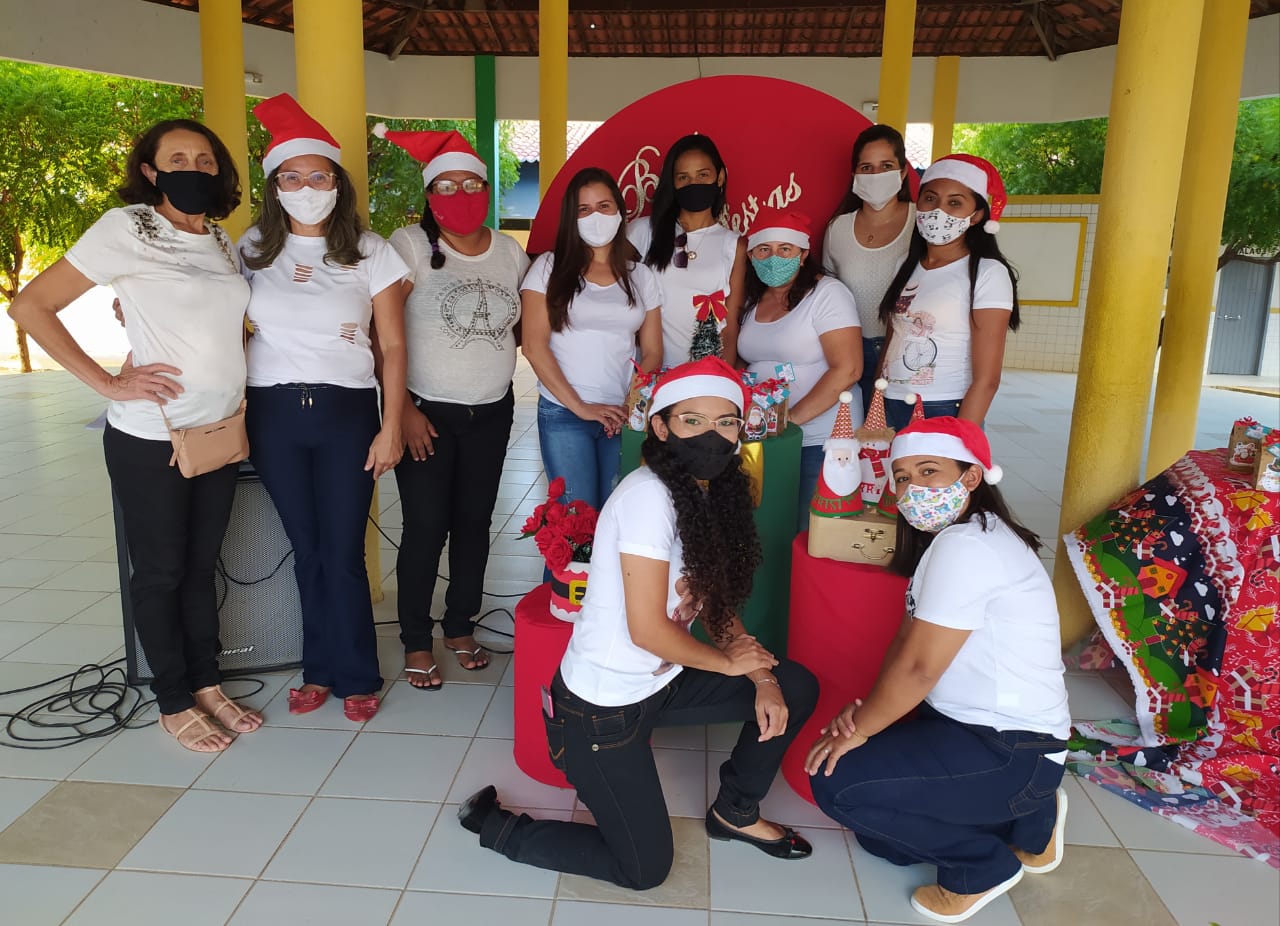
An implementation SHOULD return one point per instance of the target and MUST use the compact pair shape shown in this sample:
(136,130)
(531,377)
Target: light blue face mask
(775,270)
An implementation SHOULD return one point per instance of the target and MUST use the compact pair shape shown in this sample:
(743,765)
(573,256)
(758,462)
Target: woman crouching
(970,783)
(674,541)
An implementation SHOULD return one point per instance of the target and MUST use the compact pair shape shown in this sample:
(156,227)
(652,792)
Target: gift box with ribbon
(767,416)
(638,397)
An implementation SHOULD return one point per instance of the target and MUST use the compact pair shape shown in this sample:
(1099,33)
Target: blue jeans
(579,451)
(898,412)
(871,348)
(955,795)
(309,444)
(810,469)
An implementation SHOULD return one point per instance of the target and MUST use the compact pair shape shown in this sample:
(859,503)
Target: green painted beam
(486,73)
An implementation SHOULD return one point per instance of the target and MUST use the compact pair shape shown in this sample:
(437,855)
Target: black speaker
(259,611)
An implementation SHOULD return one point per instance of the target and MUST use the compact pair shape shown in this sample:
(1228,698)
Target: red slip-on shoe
(360,710)
(304,702)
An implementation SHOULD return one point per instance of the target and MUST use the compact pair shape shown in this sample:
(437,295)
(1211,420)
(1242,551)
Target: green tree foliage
(1066,158)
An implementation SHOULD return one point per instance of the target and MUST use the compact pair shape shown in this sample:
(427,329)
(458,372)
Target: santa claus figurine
(874,438)
(838,494)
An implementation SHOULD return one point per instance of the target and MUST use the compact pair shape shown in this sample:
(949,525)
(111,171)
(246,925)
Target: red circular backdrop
(784,144)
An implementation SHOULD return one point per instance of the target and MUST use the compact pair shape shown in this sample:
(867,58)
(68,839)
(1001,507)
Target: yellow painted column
(1206,169)
(553,89)
(946,84)
(895,62)
(1150,105)
(222,73)
(328,41)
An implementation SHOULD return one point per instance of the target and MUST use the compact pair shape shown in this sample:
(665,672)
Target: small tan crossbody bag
(208,447)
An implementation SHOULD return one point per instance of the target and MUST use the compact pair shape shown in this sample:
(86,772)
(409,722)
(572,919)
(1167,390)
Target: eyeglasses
(683,255)
(291,181)
(699,423)
(449,187)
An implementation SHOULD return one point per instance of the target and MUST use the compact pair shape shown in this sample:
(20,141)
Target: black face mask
(705,456)
(697,196)
(192,192)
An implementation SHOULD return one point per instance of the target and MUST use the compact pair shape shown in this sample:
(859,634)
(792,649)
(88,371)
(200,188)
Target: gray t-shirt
(458,320)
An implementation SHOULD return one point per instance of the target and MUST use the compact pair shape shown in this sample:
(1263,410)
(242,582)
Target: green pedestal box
(765,614)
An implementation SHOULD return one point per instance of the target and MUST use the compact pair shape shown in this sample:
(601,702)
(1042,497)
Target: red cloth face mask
(462,213)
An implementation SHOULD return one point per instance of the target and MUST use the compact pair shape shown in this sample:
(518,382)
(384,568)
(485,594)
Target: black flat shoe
(790,845)
(475,810)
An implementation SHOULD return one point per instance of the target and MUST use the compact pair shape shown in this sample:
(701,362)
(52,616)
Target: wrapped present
(1266,475)
(1244,446)
(638,397)
(767,416)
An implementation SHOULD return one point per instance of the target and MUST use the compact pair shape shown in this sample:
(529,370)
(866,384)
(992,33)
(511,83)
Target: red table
(540,643)
(843,618)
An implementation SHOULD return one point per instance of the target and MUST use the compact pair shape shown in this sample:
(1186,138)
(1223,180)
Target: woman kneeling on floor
(970,782)
(675,541)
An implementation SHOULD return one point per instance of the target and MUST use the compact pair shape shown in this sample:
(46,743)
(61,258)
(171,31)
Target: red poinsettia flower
(556,488)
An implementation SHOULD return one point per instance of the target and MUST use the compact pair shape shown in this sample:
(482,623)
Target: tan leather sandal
(224,702)
(203,731)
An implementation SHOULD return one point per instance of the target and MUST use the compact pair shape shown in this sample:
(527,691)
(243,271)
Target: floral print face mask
(930,510)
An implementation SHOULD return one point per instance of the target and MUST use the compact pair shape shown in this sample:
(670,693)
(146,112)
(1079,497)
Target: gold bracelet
(769,678)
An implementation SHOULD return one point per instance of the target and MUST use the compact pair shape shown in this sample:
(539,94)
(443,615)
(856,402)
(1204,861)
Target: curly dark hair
(138,189)
(717,531)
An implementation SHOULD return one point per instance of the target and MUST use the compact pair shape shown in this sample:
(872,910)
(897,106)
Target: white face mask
(599,228)
(938,227)
(877,190)
(308,206)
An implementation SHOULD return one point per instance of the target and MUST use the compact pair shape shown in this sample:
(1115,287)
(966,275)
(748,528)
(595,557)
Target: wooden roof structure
(690,28)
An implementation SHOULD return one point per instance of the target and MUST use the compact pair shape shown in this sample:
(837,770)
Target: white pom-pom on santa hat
(380,129)
(954,438)
(882,384)
(909,398)
(846,397)
(993,474)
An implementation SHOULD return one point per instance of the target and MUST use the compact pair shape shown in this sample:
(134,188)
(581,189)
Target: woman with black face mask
(702,264)
(674,542)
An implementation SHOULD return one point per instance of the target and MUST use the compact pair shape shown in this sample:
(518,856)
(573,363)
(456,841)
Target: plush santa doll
(874,438)
(838,493)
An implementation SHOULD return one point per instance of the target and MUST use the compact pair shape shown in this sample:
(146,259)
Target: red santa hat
(842,437)
(979,175)
(779,225)
(293,132)
(439,152)
(875,420)
(709,376)
(953,438)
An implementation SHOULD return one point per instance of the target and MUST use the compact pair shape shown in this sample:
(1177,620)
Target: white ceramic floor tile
(1201,889)
(1085,826)
(69,549)
(453,860)
(18,794)
(275,903)
(582,913)
(745,879)
(1091,698)
(87,577)
(71,644)
(378,844)
(886,891)
(141,898)
(1139,828)
(28,573)
(499,719)
(106,611)
(277,760)
(722,737)
(146,756)
(683,773)
(49,763)
(217,833)
(454,710)
(15,634)
(491,762)
(36,895)
(417,909)
(721,918)
(397,766)
(51,606)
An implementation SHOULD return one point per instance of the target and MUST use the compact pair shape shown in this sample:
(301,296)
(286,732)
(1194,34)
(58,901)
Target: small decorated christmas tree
(711,315)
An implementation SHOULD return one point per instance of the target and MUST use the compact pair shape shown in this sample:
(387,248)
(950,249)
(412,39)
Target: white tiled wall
(1049,337)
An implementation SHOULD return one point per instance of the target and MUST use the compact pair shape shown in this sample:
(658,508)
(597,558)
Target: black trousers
(174,527)
(449,495)
(605,754)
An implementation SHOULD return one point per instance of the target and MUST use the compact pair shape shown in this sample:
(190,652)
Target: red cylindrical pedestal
(540,643)
(843,618)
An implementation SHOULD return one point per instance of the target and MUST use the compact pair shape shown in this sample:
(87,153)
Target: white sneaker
(1051,857)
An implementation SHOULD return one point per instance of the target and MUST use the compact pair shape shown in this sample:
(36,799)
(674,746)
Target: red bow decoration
(1245,422)
(711,305)
(766,387)
(642,378)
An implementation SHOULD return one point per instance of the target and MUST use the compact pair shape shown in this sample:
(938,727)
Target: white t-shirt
(458,320)
(184,301)
(716,248)
(602,665)
(1009,673)
(596,347)
(793,339)
(311,318)
(867,272)
(929,353)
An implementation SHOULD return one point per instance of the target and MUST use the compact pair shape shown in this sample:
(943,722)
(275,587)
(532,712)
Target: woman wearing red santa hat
(461,309)
(797,315)
(675,541)
(319,283)
(970,782)
(954,299)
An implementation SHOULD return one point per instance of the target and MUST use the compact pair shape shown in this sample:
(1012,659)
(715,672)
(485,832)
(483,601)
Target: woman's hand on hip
(144,382)
(418,432)
(745,655)
(385,451)
(610,417)
(771,710)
